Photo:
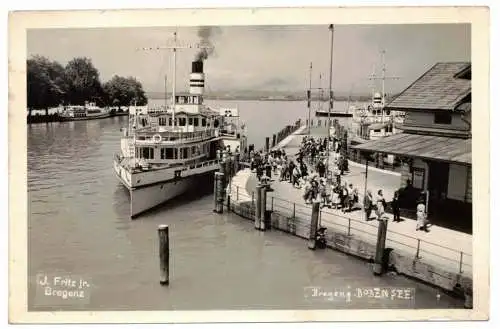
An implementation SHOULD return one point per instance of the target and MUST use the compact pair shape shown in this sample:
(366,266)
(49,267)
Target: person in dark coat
(291,167)
(321,169)
(396,207)
(260,171)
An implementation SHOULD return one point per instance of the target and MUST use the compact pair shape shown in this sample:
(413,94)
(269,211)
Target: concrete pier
(446,260)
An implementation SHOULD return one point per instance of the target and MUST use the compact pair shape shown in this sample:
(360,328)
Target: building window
(162,121)
(182,122)
(203,122)
(442,118)
(185,153)
(190,121)
(196,122)
(169,121)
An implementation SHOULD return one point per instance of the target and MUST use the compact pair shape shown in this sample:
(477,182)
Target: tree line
(50,84)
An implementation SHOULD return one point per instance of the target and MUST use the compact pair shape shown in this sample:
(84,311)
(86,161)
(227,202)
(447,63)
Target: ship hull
(150,196)
(92,117)
(333,114)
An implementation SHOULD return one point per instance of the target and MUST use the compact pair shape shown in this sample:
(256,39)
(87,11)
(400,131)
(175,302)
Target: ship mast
(174,50)
(330,103)
(309,100)
(165,90)
(174,47)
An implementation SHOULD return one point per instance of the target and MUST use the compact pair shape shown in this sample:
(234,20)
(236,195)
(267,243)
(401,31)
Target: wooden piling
(219,193)
(314,225)
(164,254)
(378,264)
(274,140)
(267,144)
(228,170)
(469,302)
(258,205)
(263,206)
(236,163)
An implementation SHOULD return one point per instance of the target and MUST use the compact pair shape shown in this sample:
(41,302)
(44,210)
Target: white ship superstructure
(166,151)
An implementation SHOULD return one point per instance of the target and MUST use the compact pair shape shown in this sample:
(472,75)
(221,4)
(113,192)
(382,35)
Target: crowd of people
(309,170)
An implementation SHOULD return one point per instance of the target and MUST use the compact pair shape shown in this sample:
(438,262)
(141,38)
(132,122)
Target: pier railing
(298,217)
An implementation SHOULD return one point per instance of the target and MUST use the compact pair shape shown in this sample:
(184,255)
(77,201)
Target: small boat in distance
(88,111)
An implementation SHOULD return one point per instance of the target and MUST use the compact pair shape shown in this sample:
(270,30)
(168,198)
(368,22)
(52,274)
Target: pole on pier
(258,206)
(219,193)
(263,206)
(314,225)
(274,140)
(164,254)
(378,264)
(267,144)
(367,212)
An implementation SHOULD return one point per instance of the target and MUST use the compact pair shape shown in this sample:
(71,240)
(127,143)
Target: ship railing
(144,165)
(175,136)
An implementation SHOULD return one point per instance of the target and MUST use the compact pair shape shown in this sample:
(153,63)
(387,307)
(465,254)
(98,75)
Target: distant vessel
(88,111)
(168,150)
(373,121)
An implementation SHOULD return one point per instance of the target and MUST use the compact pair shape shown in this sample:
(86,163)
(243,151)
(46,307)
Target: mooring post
(236,163)
(314,225)
(469,302)
(378,264)
(274,140)
(222,169)
(227,170)
(258,205)
(219,193)
(164,254)
(263,206)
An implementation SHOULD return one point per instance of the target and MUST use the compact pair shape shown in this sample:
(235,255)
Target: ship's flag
(331,99)
(308,98)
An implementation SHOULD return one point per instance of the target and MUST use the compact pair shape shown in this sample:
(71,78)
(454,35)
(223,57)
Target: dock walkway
(447,249)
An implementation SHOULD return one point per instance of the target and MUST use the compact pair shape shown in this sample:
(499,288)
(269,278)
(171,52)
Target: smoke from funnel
(205,33)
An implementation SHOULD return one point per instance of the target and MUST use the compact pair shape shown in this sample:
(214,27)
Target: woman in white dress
(380,205)
(421,215)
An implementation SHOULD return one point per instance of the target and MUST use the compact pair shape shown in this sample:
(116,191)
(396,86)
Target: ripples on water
(78,223)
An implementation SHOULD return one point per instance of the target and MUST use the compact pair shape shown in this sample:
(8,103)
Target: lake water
(78,225)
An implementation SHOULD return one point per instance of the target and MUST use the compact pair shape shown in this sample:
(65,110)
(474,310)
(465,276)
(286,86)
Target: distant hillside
(266,95)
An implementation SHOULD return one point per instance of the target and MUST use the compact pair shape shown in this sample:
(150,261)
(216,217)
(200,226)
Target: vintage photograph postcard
(249,165)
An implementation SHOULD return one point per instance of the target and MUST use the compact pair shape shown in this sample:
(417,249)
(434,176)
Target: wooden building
(435,142)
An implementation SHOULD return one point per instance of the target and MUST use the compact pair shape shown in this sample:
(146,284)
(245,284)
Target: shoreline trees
(50,84)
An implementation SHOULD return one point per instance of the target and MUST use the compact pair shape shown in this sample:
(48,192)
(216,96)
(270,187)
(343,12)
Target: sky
(263,57)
